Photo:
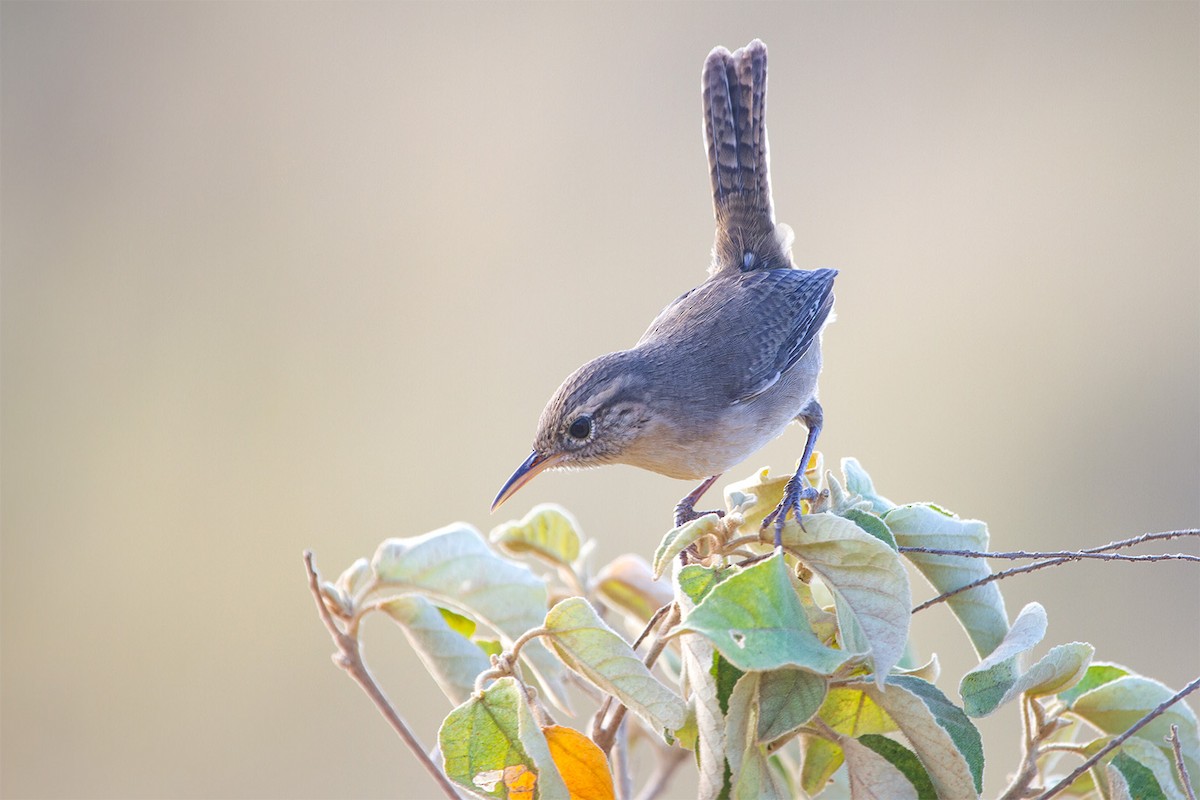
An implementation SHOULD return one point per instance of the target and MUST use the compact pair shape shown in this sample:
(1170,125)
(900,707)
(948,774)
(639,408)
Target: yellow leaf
(582,764)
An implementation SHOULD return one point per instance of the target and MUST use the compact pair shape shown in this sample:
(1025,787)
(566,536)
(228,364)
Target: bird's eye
(581,428)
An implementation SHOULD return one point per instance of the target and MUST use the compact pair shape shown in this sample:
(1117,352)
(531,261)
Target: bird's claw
(686,513)
(793,495)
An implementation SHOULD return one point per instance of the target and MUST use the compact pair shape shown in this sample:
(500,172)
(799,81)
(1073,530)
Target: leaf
(1114,707)
(940,733)
(851,711)
(592,649)
(548,531)
(350,581)
(695,581)
(755,619)
(979,610)
(697,657)
(868,582)
(1098,674)
(491,742)
(873,776)
(1060,668)
(582,765)
(986,687)
(872,524)
(787,698)
(1159,760)
(454,567)
(859,482)
(754,498)
(821,759)
(679,539)
(904,760)
(451,658)
(627,583)
(725,677)
(751,774)
(1139,780)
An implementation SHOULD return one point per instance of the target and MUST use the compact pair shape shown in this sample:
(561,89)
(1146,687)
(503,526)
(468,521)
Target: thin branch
(603,736)
(1066,555)
(1119,740)
(1184,778)
(349,658)
(995,576)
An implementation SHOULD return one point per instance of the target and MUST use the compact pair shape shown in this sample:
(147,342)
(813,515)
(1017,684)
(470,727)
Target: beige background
(286,276)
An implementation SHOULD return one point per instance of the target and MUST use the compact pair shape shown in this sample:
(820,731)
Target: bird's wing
(734,89)
(738,334)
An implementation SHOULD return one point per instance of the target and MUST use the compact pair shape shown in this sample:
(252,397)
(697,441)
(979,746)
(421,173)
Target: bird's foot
(793,494)
(685,512)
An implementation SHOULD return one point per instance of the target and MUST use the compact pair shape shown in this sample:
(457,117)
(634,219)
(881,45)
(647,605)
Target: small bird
(724,368)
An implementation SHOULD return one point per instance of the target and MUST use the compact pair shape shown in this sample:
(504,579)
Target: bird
(725,367)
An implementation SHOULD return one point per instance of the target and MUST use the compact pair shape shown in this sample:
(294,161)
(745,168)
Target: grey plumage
(724,368)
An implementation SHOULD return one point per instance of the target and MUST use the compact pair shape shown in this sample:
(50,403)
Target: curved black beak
(524,474)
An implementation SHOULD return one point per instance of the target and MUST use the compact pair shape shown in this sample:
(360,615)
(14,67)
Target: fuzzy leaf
(821,759)
(755,619)
(454,567)
(859,482)
(451,658)
(986,687)
(582,765)
(872,524)
(904,760)
(851,711)
(491,744)
(873,777)
(1061,667)
(628,584)
(679,539)
(868,581)
(979,610)
(787,698)
(751,775)
(1098,674)
(592,649)
(941,734)
(548,531)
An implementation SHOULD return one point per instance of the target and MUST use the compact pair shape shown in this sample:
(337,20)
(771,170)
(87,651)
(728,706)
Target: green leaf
(755,619)
(548,531)
(458,623)
(679,539)
(491,743)
(859,482)
(821,759)
(1114,707)
(695,581)
(1138,778)
(868,582)
(628,584)
(697,658)
(904,760)
(851,711)
(979,610)
(872,524)
(454,567)
(986,687)
(726,676)
(1159,760)
(941,734)
(873,776)
(592,649)
(787,698)
(451,658)
(1098,674)
(751,774)
(1061,667)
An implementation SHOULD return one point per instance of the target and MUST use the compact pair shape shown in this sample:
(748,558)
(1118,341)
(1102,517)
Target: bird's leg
(686,511)
(796,491)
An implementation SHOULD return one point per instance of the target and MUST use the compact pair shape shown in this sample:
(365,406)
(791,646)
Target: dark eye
(581,428)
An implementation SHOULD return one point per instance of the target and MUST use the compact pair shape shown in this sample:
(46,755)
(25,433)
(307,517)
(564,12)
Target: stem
(1177,747)
(668,763)
(1116,742)
(603,737)
(349,658)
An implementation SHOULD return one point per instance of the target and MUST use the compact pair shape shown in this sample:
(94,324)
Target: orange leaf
(582,764)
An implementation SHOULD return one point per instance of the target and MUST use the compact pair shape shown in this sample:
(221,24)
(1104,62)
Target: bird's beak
(524,474)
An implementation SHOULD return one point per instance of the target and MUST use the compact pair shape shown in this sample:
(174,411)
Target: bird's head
(596,415)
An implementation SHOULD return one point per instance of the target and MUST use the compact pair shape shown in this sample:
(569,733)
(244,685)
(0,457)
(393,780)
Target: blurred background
(281,276)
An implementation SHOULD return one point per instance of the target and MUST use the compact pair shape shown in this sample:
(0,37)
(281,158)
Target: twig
(349,658)
(995,576)
(1067,555)
(1184,778)
(621,766)
(1119,740)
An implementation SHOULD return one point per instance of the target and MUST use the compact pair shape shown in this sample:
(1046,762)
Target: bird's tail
(735,130)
